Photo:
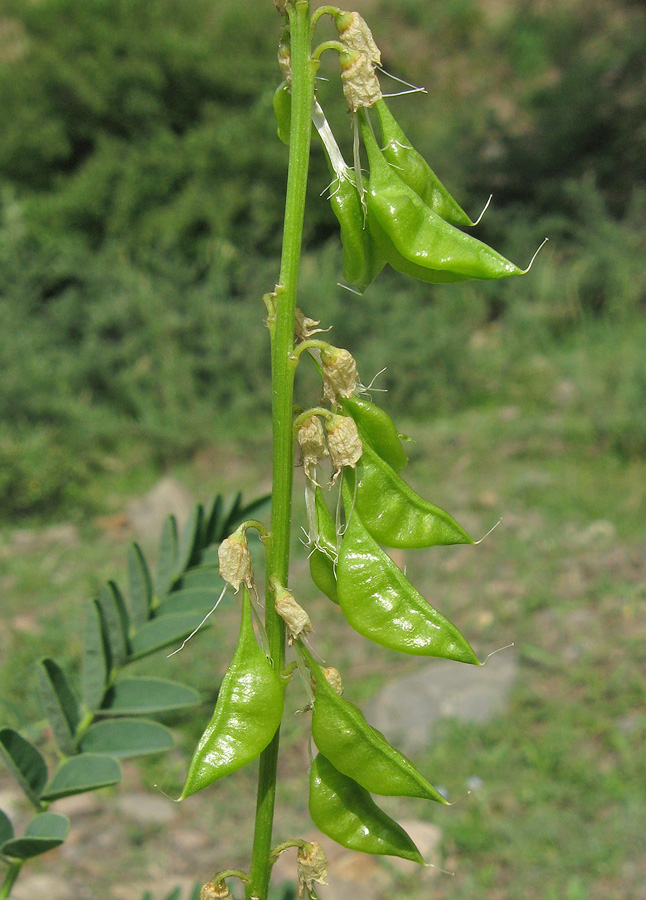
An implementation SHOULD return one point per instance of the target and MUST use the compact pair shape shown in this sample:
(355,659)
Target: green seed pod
(414,171)
(377,429)
(247,713)
(283,111)
(362,261)
(381,604)
(346,812)
(358,750)
(394,514)
(417,233)
(321,560)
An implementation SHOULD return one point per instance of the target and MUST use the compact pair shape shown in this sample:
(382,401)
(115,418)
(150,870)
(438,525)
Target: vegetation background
(140,219)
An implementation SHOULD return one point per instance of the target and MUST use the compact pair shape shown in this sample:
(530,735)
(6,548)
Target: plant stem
(10,878)
(283,367)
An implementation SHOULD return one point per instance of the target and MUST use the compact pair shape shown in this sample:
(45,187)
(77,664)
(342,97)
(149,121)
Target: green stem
(10,878)
(283,366)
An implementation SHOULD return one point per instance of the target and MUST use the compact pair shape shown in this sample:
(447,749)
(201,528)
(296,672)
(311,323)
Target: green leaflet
(45,832)
(59,703)
(247,713)
(24,762)
(82,773)
(139,696)
(126,737)
(346,812)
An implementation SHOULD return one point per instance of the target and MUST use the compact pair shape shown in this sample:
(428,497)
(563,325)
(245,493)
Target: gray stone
(147,513)
(407,709)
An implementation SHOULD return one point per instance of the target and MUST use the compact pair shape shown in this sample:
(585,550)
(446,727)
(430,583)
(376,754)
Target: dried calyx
(311,440)
(340,376)
(296,619)
(235,560)
(344,443)
(311,868)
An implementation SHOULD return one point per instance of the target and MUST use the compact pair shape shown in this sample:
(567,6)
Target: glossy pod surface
(346,812)
(247,713)
(378,429)
(413,169)
(362,261)
(394,514)
(381,604)
(419,234)
(358,750)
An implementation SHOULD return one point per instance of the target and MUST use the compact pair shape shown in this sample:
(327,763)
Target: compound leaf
(24,762)
(59,703)
(126,737)
(82,773)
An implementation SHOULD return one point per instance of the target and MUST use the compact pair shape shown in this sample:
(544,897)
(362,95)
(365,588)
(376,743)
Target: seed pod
(247,713)
(340,376)
(324,553)
(294,616)
(282,103)
(346,812)
(343,443)
(358,750)
(425,242)
(414,171)
(394,514)
(381,604)
(377,429)
(311,867)
(311,440)
(235,560)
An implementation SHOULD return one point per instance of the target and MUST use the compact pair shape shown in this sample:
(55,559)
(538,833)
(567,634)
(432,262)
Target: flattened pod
(247,713)
(394,514)
(346,812)
(358,750)
(381,604)
(414,171)
(361,260)
(419,234)
(282,103)
(378,429)
(321,565)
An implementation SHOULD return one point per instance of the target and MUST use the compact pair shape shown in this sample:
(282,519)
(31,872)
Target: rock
(146,809)
(406,709)
(147,513)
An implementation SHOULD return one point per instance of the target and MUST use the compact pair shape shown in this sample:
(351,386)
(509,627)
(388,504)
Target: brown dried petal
(304,327)
(355,34)
(235,561)
(215,890)
(340,376)
(311,867)
(360,83)
(343,442)
(294,616)
(311,440)
(333,678)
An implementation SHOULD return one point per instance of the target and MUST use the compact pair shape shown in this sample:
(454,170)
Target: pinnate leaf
(140,586)
(163,631)
(97,661)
